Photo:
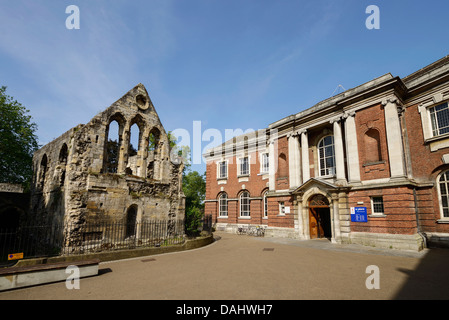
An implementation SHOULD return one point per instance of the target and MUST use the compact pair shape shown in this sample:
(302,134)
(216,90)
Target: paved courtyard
(247,268)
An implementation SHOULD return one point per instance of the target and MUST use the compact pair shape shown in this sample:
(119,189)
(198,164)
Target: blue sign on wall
(358,214)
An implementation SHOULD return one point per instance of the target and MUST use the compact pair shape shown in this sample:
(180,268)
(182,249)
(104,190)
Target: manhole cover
(148,260)
(268,249)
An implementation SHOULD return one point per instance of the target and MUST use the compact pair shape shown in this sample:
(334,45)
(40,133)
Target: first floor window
(326,156)
(244,204)
(265,162)
(244,166)
(223,170)
(377,205)
(223,205)
(444,193)
(439,116)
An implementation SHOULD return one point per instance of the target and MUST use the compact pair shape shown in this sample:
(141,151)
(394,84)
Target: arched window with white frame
(223,205)
(244,204)
(326,156)
(443,188)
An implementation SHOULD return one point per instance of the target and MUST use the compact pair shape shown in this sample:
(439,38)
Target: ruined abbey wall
(76,180)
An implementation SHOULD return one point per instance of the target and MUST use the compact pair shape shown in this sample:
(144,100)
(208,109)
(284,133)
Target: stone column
(394,138)
(272,166)
(123,152)
(294,161)
(305,156)
(352,150)
(300,218)
(336,232)
(339,153)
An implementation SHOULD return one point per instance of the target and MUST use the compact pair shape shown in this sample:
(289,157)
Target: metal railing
(68,239)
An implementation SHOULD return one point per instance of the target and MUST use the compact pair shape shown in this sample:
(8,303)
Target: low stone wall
(387,241)
(122,254)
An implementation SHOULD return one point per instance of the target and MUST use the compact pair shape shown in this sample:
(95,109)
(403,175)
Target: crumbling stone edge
(122,254)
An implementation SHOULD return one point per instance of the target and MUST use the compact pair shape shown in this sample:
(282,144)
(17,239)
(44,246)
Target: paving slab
(239,267)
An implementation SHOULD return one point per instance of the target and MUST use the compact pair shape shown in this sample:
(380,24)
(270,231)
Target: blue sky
(229,64)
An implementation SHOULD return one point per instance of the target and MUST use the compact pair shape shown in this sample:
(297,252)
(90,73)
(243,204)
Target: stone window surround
(439,141)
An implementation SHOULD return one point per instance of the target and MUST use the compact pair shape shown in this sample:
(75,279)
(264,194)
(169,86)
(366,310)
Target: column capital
(397,102)
(335,120)
(348,114)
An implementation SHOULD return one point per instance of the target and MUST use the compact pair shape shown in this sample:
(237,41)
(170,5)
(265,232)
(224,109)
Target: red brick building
(369,166)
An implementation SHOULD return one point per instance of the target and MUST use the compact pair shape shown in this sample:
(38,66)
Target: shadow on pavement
(430,280)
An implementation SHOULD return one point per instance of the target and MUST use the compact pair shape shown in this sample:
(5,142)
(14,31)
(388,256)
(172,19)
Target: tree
(194,187)
(18,141)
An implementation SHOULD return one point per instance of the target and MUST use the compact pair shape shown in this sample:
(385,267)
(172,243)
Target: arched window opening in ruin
(133,147)
(131,222)
(113,143)
(372,146)
(155,136)
(283,170)
(153,153)
(63,154)
(43,170)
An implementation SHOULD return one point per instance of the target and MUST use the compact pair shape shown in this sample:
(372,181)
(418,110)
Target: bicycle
(241,230)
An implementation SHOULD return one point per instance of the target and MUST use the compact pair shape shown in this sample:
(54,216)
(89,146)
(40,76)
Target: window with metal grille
(223,205)
(244,204)
(444,193)
(439,117)
(326,156)
(244,166)
(223,169)
(378,205)
(281,208)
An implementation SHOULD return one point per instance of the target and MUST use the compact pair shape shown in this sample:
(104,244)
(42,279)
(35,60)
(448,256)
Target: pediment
(320,184)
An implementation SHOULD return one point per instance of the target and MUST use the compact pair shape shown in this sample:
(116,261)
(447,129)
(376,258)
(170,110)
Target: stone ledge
(26,276)
(120,254)
(387,241)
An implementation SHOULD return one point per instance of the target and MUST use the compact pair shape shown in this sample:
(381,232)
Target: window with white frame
(443,183)
(265,205)
(222,169)
(244,166)
(439,116)
(244,204)
(265,162)
(281,208)
(223,205)
(326,156)
(377,204)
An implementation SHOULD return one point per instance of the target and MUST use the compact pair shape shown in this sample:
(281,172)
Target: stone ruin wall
(71,183)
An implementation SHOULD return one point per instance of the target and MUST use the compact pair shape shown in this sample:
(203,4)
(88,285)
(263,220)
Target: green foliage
(194,187)
(193,220)
(18,141)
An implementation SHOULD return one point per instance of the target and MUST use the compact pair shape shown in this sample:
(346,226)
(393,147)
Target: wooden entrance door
(316,229)
(319,217)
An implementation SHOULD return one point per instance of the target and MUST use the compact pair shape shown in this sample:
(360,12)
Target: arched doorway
(131,222)
(319,217)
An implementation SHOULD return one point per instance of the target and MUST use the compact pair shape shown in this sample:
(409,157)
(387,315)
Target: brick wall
(426,166)
(372,118)
(399,210)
